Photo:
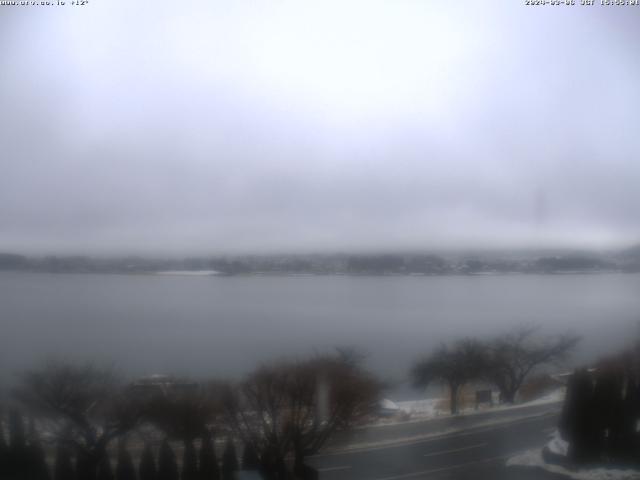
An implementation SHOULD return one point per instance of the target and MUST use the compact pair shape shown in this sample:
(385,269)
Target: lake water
(219,326)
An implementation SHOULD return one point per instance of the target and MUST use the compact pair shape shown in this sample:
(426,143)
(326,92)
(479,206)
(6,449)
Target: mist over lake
(223,326)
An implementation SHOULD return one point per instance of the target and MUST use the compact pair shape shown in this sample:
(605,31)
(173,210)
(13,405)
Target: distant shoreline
(396,264)
(205,273)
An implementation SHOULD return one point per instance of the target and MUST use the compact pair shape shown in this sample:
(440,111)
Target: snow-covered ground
(533,458)
(429,407)
(557,445)
(551,397)
(420,410)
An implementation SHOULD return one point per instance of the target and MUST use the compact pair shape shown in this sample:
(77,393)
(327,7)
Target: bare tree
(295,407)
(185,414)
(453,365)
(512,357)
(84,405)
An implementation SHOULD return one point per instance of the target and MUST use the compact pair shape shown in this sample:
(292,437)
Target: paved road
(477,450)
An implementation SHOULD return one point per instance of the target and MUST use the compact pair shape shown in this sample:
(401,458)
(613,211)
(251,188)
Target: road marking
(433,437)
(443,452)
(333,469)
(442,469)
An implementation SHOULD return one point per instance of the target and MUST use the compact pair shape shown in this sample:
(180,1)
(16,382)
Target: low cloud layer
(267,126)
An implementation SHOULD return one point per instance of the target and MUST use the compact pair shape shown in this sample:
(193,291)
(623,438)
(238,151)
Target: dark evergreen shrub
(125,469)
(17,460)
(606,411)
(63,468)
(622,437)
(17,438)
(105,472)
(4,450)
(147,467)
(209,469)
(271,466)
(229,461)
(189,462)
(36,462)
(167,465)
(86,467)
(577,424)
(250,460)
(601,412)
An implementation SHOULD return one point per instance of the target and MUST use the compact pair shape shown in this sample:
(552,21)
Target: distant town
(449,263)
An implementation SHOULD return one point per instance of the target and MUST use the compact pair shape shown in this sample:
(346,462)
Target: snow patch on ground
(420,410)
(429,406)
(551,397)
(557,445)
(533,459)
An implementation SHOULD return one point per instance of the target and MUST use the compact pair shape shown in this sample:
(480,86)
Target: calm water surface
(225,325)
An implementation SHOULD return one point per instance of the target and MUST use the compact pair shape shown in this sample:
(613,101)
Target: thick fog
(194,126)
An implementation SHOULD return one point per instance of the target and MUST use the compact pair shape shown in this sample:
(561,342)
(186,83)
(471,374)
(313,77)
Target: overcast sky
(210,126)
